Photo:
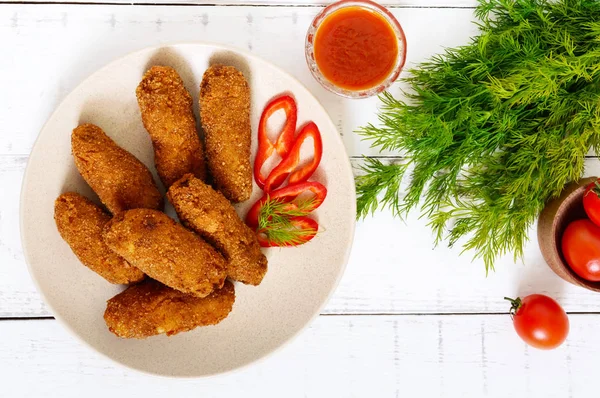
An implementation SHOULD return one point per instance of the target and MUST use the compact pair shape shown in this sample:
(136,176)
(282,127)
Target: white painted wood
(393,268)
(53,48)
(17,293)
(390,3)
(338,356)
(73,41)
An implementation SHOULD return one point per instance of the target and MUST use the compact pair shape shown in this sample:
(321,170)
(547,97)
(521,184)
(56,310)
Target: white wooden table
(407,320)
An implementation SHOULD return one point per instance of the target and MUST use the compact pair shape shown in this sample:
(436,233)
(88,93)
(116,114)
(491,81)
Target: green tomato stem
(515,304)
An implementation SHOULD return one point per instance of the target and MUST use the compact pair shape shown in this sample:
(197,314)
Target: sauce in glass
(355,48)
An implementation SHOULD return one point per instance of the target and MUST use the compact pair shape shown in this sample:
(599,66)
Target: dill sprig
(376,177)
(287,234)
(494,129)
(275,221)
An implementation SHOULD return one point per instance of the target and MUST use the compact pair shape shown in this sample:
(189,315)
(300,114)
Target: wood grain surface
(338,356)
(407,320)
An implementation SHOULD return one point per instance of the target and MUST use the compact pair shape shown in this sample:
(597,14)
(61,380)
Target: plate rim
(346,256)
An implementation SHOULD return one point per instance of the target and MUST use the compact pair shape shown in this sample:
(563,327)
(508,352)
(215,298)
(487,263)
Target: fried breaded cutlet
(166,251)
(80,223)
(121,181)
(225,117)
(168,116)
(212,216)
(151,308)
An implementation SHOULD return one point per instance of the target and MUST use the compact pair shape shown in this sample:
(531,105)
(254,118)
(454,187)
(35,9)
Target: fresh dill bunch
(494,129)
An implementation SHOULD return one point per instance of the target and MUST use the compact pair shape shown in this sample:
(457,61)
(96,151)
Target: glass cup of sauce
(355,48)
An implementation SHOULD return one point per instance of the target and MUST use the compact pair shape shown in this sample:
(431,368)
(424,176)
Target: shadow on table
(537,277)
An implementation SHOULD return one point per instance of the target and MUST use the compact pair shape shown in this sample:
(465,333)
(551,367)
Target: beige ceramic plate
(299,280)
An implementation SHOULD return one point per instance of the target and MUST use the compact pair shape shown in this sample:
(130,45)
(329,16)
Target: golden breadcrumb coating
(211,215)
(151,308)
(80,223)
(225,116)
(168,116)
(166,251)
(121,181)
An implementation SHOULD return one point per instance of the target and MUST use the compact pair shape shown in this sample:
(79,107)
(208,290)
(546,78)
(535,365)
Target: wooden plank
(338,356)
(393,268)
(62,45)
(265,3)
(18,296)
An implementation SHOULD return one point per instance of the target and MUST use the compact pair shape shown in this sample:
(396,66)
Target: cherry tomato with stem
(539,320)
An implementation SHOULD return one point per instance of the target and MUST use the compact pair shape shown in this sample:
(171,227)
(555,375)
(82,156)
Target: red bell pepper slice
(284,140)
(301,223)
(287,195)
(289,164)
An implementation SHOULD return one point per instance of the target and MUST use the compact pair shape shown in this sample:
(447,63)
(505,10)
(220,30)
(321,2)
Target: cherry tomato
(539,321)
(581,248)
(591,201)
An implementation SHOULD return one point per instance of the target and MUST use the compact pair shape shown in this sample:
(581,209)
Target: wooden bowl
(553,221)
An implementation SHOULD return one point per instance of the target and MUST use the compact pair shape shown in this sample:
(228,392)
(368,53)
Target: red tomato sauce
(355,48)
